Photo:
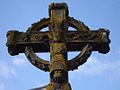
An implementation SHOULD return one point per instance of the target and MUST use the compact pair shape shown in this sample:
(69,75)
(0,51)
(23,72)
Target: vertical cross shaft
(58,49)
(58,40)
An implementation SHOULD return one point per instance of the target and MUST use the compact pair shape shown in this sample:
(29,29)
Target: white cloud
(19,62)
(5,70)
(2,86)
(94,66)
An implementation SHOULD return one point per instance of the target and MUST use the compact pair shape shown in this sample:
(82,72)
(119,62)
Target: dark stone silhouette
(58,41)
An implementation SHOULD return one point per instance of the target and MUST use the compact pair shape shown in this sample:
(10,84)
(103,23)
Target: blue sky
(101,72)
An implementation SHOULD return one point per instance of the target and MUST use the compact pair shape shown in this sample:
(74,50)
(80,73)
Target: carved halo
(43,64)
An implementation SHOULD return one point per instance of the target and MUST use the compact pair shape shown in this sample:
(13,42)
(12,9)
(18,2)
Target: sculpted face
(58,76)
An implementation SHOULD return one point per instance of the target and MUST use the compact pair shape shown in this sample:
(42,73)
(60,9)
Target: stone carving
(58,40)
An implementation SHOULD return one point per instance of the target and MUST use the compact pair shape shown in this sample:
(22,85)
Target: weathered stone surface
(58,41)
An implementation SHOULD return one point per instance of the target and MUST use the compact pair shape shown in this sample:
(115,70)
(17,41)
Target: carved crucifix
(58,41)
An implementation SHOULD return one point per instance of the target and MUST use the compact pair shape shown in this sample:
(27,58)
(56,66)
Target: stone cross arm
(58,40)
(75,40)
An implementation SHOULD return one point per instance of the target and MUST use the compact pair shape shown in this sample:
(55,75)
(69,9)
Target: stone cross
(58,41)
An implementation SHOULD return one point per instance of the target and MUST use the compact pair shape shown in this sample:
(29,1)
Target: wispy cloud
(19,62)
(2,86)
(8,69)
(95,66)
(5,70)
